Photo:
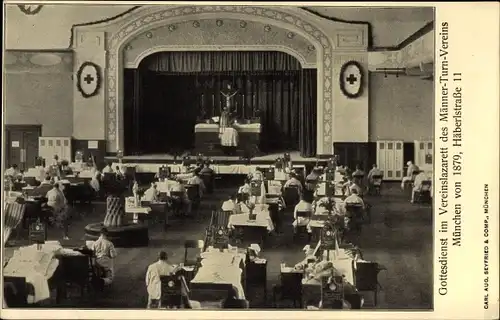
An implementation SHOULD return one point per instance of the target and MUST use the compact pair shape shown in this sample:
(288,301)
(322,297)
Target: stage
(221,164)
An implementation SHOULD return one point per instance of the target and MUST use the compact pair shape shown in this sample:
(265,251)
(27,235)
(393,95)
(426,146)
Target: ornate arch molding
(292,19)
(162,48)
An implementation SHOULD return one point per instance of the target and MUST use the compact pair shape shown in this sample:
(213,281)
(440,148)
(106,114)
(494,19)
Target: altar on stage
(208,140)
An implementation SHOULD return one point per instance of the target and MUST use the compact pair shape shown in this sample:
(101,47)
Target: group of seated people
(175,186)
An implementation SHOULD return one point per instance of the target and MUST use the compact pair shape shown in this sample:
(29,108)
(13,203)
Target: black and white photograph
(221,156)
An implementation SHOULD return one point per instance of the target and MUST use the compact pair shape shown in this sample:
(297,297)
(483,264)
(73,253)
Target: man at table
(177,186)
(156,270)
(206,169)
(314,175)
(302,206)
(44,187)
(349,186)
(105,254)
(417,184)
(354,198)
(196,180)
(412,169)
(245,188)
(151,194)
(231,205)
(57,201)
(375,171)
(257,175)
(294,182)
(13,171)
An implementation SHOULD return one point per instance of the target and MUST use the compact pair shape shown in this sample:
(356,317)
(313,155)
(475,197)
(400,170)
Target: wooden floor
(400,237)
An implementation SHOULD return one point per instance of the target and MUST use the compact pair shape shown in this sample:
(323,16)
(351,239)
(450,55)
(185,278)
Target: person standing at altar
(227,134)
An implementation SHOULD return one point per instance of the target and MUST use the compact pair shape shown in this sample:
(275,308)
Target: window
(381,146)
(58,143)
(422,146)
(429,146)
(389,146)
(398,146)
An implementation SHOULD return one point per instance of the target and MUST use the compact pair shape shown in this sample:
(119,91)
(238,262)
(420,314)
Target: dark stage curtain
(162,107)
(220,61)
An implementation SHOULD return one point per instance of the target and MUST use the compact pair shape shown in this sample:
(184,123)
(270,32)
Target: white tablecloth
(262,219)
(223,268)
(37,266)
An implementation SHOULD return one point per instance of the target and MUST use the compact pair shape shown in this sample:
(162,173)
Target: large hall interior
(218,157)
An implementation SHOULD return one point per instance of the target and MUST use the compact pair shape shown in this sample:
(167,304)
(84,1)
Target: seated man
(245,188)
(206,169)
(153,284)
(57,202)
(358,172)
(105,254)
(410,172)
(196,180)
(43,188)
(231,205)
(151,194)
(354,198)
(107,168)
(177,186)
(314,175)
(301,206)
(40,173)
(349,185)
(293,181)
(375,171)
(417,184)
(257,175)
(12,172)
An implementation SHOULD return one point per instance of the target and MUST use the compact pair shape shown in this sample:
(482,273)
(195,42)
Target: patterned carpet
(399,237)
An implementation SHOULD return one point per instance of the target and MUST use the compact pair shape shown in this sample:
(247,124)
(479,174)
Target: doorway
(21,145)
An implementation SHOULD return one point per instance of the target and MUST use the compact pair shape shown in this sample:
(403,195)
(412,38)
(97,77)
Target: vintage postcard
(250,160)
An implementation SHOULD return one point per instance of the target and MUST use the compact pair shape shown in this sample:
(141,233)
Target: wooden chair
(14,215)
(31,181)
(176,202)
(256,276)
(366,277)
(221,218)
(15,292)
(208,180)
(171,292)
(193,194)
(356,213)
(376,185)
(332,293)
(291,196)
(302,229)
(290,288)
(424,195)
(191,244)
